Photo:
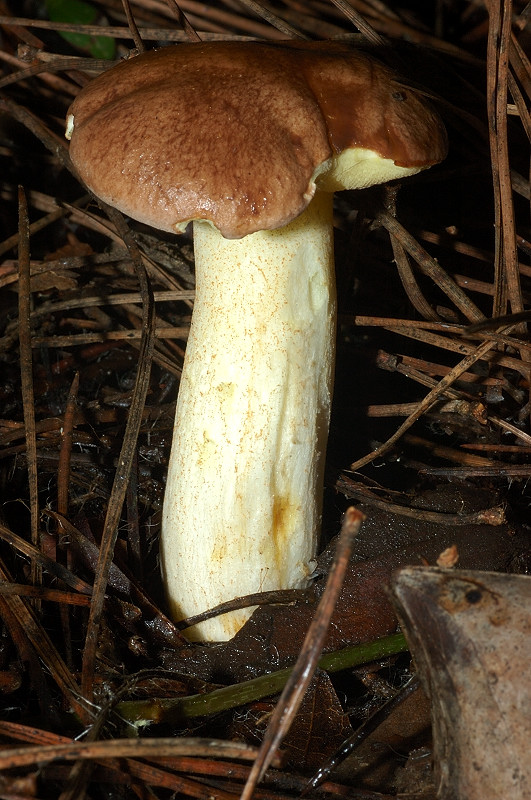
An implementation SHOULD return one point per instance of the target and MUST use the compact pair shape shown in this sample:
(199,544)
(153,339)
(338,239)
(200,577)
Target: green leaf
(77,12)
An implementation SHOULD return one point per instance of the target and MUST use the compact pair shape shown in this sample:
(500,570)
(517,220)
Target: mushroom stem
(243,497)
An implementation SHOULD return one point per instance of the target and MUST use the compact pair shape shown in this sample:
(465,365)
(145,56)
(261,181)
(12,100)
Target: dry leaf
(470,635)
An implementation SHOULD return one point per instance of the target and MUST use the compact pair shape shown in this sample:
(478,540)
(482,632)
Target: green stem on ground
(179,709)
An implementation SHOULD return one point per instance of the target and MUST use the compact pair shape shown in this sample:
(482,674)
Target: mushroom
(249,141)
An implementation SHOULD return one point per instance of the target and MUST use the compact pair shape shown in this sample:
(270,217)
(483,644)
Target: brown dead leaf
(376,764)
(470,634)
(53,279)
(319,727)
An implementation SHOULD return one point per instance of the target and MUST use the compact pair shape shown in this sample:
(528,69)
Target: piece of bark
(470,635)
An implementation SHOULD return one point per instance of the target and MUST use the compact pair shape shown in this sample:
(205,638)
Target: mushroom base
(243,497)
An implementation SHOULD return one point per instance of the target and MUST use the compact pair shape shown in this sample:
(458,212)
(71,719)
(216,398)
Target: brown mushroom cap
(235,132)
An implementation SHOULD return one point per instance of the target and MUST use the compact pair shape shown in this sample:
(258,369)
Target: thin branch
(307,662)
(26,370)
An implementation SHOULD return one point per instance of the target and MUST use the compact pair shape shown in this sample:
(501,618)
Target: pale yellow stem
(243,498)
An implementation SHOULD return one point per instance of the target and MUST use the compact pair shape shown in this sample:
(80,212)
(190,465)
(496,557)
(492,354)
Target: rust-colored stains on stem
(284,513)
